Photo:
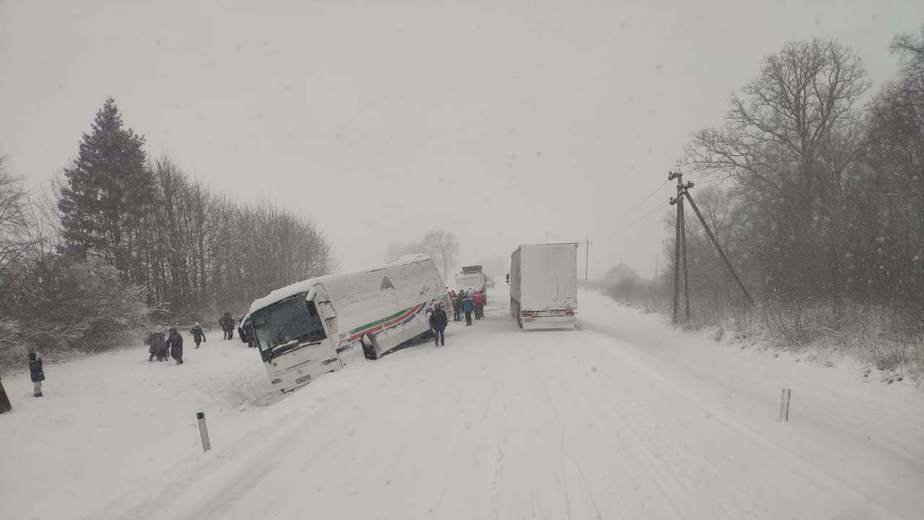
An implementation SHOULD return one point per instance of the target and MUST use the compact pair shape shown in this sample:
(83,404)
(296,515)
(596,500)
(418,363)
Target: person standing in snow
(157,347)
(231,324)
(467,307)
(452,301)
(457,306)
(175,342)
(37,373)
(244,334)
(478,302)
(227,325)
(438,323)
(152,348)
(163,349)
(198,334)
(153,345)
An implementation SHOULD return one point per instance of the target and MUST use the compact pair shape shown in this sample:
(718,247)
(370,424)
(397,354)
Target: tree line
(818,197)
(122,240)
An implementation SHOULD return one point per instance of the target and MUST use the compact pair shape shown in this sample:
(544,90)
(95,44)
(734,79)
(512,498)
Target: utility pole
(686,277)
(680,249)
(676,251)
(586,261)
(715,242)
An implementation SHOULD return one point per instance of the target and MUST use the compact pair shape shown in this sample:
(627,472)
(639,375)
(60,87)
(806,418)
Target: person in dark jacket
(245,334)
(438,322)
(467,307)
(198,334)
(152,349)
(37,373)
(175,341)
(157,346)
(163,349)
(227,325)
(153,342)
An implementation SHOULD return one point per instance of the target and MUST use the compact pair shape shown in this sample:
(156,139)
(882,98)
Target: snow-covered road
(626,418)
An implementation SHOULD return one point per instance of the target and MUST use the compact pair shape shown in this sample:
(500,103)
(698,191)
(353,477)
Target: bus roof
(305,285)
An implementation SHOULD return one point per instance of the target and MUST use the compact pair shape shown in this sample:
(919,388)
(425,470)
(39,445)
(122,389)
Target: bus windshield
(285,325)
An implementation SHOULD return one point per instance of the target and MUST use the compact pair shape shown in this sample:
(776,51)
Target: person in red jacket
(478,301)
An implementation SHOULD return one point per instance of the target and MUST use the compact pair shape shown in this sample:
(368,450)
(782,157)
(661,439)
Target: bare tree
(911,50)
(15,220)
(890,224)
(790,140)
(443,247)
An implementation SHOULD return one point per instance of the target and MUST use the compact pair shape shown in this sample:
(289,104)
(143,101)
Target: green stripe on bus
(383,320)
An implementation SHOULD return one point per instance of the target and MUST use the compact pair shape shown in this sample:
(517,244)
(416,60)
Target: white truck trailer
(316,326)
(543,285)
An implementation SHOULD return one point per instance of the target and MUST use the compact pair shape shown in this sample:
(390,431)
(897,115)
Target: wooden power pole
(680,250)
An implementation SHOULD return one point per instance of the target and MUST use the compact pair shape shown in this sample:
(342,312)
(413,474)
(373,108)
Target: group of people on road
(165,345)
(467,303)
(464,303)
(161,346)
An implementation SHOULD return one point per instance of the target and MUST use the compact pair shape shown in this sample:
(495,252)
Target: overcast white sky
(503,121)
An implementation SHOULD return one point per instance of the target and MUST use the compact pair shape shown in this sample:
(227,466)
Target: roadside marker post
(203,431)
(784,404)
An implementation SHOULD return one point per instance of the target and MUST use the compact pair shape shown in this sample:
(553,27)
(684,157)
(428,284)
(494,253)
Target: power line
(642,217)
(644,200)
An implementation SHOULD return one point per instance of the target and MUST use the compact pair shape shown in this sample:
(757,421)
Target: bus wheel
(369,349)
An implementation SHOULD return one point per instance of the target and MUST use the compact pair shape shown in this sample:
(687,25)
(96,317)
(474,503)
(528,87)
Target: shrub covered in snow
(59,305)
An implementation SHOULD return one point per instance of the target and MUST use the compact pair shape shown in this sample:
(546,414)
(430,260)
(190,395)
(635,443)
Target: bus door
(328,315)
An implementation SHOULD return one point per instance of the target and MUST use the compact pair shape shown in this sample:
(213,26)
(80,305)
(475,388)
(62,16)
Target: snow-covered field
(626,418)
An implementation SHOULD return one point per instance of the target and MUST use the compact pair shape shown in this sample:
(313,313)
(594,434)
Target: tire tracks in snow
(239,458)
(564,457)
(575,401)
(793,464)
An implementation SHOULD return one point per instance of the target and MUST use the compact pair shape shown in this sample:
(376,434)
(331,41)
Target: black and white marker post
(203,431)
